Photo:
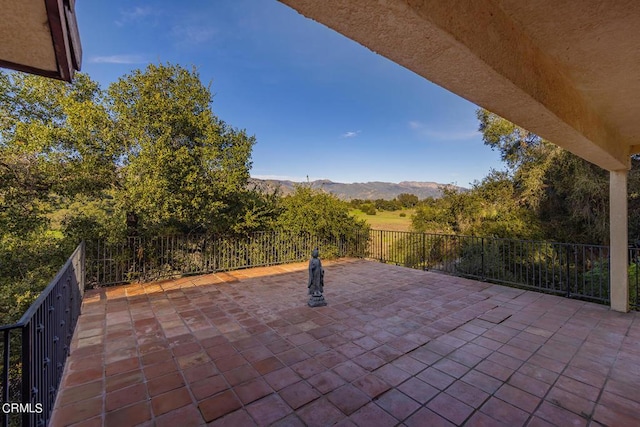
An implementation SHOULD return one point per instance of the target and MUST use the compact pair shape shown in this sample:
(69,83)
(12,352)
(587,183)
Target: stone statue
(316,281)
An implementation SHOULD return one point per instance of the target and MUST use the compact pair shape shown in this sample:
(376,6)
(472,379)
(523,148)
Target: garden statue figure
(316,281)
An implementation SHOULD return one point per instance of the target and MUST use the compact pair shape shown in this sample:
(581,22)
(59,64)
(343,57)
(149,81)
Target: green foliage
(368,209)
(407,200)
(146,156)
(182,168)
(490,208)
(568,195)
(320,214)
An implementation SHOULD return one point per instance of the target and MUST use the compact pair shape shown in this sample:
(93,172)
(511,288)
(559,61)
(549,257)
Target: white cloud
(431,132)
(120,59)
(134,15)
(351,134)
(193,34)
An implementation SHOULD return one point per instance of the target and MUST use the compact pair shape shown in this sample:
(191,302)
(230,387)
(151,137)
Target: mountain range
(359,190)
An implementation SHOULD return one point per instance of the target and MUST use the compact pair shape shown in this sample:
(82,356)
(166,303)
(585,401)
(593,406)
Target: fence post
(27,359)
(482,271)
(424,253)
(568,272)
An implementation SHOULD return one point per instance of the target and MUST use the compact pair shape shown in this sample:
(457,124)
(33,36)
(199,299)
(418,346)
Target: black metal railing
(634,278)
(34,349)
(146,259)
(569,269)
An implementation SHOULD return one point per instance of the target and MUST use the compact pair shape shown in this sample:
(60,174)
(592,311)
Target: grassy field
(386,220)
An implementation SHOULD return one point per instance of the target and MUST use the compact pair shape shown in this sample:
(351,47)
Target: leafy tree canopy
(318,213)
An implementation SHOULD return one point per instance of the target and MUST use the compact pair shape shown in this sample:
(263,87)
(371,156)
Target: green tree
(407,200)
(568,194)
(54,147)
(318,213)
(77,162)
(490,208)
(182,168)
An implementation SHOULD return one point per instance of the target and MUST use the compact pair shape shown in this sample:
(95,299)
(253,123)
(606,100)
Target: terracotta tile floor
(394,346)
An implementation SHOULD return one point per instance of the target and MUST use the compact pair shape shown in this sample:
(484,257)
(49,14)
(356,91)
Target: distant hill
(365,190)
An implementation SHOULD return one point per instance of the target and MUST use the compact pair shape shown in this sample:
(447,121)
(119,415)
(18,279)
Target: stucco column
(618,231)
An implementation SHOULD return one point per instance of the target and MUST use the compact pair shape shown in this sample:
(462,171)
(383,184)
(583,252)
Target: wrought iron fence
(145,259)
(569,269)
(634,278)
(34,349)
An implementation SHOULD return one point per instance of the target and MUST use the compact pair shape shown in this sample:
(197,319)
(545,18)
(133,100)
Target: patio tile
(371,385)
(620,404)
(208,387)
(451,367)
(349,371)
(281,378)
(165,383)
(369,361)
(239,375)
(227,363)
(319,413)
(83,410)
(298,394)
(325,382)
(219,405)
(397,404)
(570,401)
(538,373)
(348,399)
(436,378)
(518,398)
(130,415)
(418,390)
(504,412)
(584,390)
(378,352)
(450,408)
(426,417)
(331,358)
(159,369)
(589,377)
(467,393)
(267,365)
(559,416)
(199,372)
(496,370)
(82,377)
(463,357)
(479,419)
(482,381)
(268,410)
(186,416)
(308,368)
(82,392)
(171,400)
(610,417)
(425,355)
(125,396)
(409,364)
(351,350)
(292,421)
(372,415)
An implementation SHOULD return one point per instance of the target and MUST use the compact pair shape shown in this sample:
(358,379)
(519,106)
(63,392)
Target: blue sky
(319,104)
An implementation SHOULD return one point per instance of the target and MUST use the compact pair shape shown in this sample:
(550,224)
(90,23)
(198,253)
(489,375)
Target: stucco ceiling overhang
(567,70)
(40,37)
